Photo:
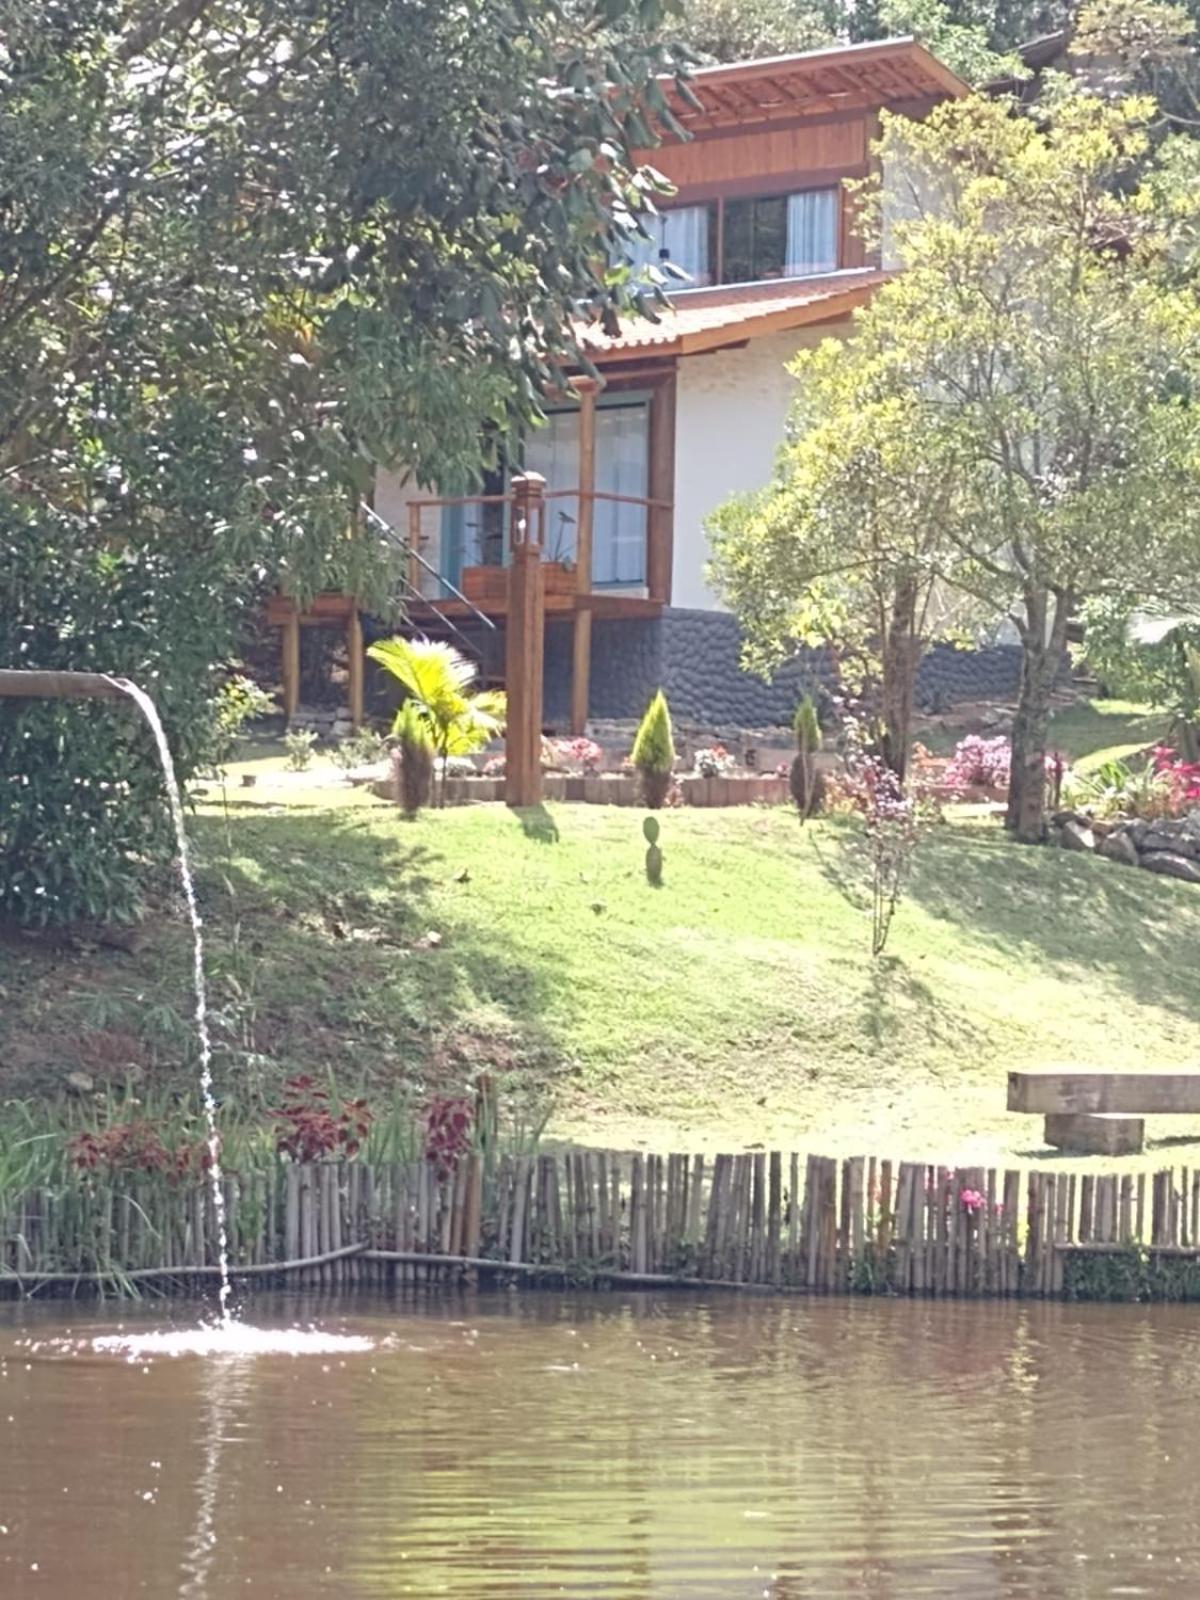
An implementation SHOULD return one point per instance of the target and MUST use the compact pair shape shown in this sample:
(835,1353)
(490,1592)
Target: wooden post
(354,656)
(414,546)
(291,663)
(524,646)
(581,643)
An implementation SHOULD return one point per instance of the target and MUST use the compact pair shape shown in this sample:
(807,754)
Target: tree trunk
(901,656)
(1044,646)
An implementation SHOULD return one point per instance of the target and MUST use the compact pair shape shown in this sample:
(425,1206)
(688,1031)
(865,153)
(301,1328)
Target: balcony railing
(466,541)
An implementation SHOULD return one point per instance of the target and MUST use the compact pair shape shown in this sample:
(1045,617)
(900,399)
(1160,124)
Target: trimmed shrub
(804,780)
(654,752)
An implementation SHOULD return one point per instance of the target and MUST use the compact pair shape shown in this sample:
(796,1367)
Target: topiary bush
(804,780)
(654,752)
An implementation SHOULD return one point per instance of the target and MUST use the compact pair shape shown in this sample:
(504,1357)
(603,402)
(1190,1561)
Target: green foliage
(81,798)
(740,30)
(438,680)
(1130,1275)
(238,701)
(967,435)
(243,257)
(966,45)
(415,738)
(299,744)
(1151,658)
(654,856)
(806,725)
(361,749)
(1114,788)
(654,751)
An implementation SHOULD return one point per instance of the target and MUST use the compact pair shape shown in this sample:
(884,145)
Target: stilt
(524,646)
(291,663)
(354,655)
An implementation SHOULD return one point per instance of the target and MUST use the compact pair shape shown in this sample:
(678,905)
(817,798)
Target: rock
(1168,836)
(80,1082)
(1120,847)
(1171,865)
(1077,835)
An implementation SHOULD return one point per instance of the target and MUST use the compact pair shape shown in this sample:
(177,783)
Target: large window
(748,240)
(622,468)
(780,236)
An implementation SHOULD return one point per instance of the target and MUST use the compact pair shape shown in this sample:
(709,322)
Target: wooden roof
(856,77)
(710,319)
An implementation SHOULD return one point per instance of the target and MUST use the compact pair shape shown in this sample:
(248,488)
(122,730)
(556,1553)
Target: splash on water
(230,1337)
(150,711)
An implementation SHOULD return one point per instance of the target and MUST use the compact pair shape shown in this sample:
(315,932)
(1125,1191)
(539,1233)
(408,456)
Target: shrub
(804,780)
(575,755)
(312,1124)
(654,856)
(890,829)
(980,763)
(362,749)
(654,752)
(299,746)
(714,761)
(238,700)
(414,757)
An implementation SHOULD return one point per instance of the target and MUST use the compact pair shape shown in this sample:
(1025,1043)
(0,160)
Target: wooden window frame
(849,251)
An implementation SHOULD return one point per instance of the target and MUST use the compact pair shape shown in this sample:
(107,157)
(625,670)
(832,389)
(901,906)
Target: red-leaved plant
(448,1125)
(311,1126)
(137,1146)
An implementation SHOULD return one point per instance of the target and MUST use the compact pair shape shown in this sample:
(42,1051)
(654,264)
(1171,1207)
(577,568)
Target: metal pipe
(34,685)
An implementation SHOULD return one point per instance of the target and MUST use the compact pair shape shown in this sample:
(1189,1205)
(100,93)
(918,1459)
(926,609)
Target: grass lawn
(737,1005)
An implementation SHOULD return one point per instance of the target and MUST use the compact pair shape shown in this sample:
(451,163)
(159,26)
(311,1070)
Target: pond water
(504,1446)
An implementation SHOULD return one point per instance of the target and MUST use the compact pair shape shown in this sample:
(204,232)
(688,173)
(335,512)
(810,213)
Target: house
(689,408)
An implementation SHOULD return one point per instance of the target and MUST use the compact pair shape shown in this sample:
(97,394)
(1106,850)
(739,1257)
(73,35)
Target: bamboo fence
(763,1220)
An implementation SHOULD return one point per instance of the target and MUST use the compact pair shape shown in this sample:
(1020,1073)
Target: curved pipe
(33,685)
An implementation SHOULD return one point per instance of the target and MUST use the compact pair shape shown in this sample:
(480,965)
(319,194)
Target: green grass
(1089,732)
(737,1005)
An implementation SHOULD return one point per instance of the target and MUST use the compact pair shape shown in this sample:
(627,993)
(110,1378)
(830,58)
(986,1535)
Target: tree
(844,548)
(1150,657)
(247,251)
(438,680)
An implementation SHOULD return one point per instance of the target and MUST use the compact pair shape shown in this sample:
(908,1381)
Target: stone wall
(695,656)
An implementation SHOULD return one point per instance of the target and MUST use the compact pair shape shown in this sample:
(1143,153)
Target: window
(780,236)
(681,236)
(622,468)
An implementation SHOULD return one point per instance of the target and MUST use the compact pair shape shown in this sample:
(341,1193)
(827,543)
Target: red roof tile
(707,319)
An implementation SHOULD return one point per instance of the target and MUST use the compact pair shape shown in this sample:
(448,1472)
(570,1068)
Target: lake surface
(504,1446)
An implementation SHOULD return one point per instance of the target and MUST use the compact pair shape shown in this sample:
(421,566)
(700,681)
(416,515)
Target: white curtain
(622,467)
(812,230)
(680,236)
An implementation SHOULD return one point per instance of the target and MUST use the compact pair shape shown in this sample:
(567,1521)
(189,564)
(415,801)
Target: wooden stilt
(354,656)
(291,663)
(525,646)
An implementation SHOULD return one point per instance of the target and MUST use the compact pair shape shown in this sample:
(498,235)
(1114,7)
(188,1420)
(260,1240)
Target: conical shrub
(654,752)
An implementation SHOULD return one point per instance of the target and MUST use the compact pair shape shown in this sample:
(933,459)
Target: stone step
(1095,1133)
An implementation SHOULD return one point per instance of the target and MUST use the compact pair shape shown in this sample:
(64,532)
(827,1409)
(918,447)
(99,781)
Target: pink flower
(971,1200)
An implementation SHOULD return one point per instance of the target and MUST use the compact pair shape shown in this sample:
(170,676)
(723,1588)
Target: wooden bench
(1102,1113)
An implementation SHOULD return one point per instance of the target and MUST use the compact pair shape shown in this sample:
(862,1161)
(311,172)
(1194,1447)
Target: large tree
(1033,369)
(248,248)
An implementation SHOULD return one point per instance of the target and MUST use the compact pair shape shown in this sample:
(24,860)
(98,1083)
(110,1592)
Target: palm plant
(438,681)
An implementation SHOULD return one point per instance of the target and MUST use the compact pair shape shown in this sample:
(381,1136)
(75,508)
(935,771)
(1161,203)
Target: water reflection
(660,1449)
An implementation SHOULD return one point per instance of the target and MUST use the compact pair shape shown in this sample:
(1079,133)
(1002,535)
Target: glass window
(780,236)
(683,237)
(622,468)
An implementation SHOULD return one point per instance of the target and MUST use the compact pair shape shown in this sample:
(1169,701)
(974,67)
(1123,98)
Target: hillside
(736,1005)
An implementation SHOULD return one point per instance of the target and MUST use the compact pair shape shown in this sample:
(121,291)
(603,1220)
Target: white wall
(392,496)
(730,412)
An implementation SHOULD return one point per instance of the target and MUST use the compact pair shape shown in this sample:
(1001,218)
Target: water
(150,711)
(507,1446)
